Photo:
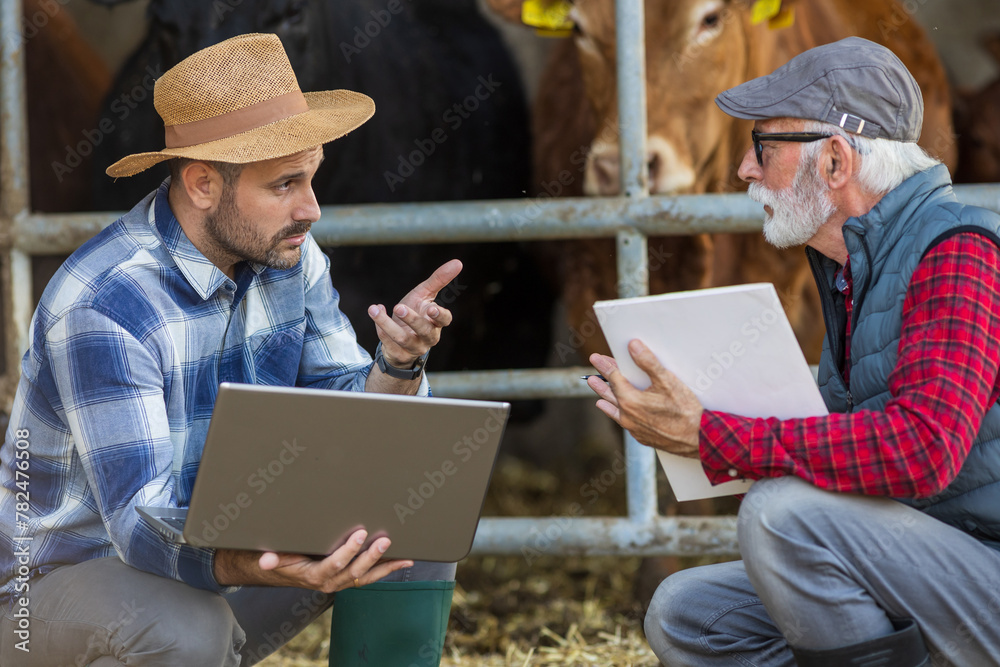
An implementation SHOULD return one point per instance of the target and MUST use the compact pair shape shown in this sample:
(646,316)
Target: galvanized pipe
(632,251)
(630,46)
(13,115)
(470,221)
(571,534)
(518,383)
(486,221)
(15,280)
(505,384)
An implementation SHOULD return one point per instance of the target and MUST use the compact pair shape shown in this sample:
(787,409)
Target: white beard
(798,211)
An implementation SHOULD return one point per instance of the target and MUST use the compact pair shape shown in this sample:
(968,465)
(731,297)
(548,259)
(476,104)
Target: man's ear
(202,184)
(839,162)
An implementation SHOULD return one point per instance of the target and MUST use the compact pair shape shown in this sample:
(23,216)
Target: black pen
(599,377)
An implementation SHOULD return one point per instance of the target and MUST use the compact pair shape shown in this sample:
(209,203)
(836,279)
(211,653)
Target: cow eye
(711,20)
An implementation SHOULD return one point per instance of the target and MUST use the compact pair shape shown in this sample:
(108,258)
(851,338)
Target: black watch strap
(400,373)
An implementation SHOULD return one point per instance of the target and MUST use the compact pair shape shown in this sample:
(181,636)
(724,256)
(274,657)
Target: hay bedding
(511,613)
(573,611)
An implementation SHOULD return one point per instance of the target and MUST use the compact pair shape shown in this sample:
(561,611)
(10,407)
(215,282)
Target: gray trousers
(108,614)
(822,570)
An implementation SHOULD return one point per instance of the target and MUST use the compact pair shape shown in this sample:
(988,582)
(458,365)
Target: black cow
(451,124)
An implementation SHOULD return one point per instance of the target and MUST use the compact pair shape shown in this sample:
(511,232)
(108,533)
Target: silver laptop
(299,470)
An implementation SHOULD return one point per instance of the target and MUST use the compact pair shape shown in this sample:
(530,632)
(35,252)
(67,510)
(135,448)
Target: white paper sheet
(732,345)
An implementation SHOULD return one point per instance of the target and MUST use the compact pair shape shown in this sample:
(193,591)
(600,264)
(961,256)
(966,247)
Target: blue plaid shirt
(128,346)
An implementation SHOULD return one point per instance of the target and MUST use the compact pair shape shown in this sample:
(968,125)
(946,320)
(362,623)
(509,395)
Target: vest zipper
(829,315)
(863,292)
(857,297)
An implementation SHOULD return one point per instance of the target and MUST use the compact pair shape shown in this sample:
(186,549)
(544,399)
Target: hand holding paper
(666,415)
(728,348)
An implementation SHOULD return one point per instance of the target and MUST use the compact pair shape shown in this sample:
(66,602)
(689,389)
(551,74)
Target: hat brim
(331,115)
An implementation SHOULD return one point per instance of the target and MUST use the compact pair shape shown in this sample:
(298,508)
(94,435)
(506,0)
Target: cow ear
(509,10)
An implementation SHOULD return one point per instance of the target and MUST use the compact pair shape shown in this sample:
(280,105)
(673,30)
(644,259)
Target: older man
(871,536)
(213,277)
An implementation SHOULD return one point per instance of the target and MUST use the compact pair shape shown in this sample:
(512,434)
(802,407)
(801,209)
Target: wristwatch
(400,373)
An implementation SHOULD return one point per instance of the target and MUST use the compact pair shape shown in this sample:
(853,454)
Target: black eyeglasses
(802,137)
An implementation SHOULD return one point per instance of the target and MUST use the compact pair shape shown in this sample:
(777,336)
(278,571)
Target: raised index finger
(443,275)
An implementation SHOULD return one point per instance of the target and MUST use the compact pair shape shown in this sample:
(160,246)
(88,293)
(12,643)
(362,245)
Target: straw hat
(238,101)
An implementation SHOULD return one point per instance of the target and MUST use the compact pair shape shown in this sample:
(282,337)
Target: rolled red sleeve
(944,380)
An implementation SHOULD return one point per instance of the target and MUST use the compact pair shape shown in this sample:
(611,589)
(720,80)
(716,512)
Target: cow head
(694,50)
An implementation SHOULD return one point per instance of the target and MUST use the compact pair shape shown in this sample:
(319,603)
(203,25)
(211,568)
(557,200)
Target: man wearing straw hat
(213,277)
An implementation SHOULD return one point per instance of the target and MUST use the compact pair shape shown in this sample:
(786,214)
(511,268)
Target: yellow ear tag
(764,10)
(783,19)
(549,17)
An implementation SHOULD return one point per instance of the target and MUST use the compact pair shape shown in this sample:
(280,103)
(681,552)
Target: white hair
(885,163)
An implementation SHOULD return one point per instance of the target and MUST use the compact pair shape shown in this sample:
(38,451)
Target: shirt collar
(204,276)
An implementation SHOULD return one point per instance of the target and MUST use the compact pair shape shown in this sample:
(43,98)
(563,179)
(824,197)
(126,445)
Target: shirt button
(732,472)
(229,288)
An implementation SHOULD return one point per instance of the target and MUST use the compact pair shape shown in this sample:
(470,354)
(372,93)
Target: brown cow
(66,82)
(694,50)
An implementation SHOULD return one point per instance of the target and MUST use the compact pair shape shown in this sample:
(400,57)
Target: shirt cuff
(722,451)
(196,568)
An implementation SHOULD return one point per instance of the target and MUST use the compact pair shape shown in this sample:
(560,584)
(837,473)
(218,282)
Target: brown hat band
(236,121)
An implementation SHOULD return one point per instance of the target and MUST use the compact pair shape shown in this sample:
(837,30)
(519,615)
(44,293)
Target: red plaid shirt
(944,380)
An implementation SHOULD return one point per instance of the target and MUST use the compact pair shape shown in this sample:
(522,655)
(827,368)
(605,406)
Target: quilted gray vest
(885,245)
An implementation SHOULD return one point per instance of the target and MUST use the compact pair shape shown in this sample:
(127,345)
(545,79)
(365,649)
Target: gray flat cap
(854,83)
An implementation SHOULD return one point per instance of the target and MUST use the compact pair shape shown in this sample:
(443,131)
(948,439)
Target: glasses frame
(799,137)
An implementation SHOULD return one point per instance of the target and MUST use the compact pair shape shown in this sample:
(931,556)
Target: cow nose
(669,172)
(666,173)
(606,173)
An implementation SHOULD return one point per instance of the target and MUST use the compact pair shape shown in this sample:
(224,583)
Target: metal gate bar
(15,273)
(629,218)
(488,220)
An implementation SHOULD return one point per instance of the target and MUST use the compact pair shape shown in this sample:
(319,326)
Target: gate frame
(630,218)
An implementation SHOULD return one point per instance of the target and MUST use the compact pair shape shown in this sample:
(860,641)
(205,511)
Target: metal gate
(630,218)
